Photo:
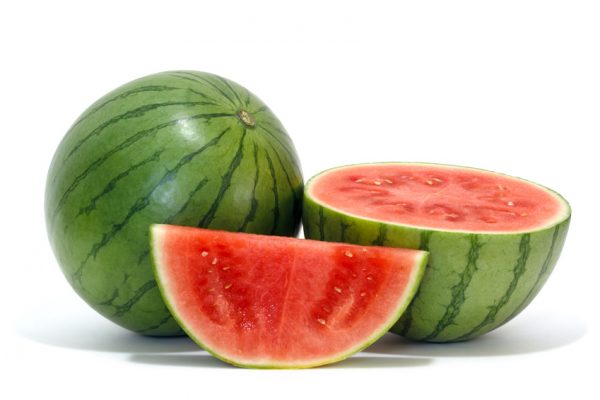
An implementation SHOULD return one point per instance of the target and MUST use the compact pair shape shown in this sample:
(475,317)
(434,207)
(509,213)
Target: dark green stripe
(458,290)
(141,203)
(259,110)
(123,145)
(241,103)
(136,112)
(547,261)
(203,79)
(174,74)
(424,240)
(296,194)
(277,129)
(253,203)
(286,145)
(518,271)
(406,320)
(343,228)
(248,97)
(121,309)
(120,96)
(321,224)
(142,256)
(160,323)
(170,219)
(113,183)
(275,193)
(141,89)
(202,94)
(382,236)
(287,148)
(226,183)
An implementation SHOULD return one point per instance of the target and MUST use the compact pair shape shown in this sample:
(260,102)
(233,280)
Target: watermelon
(277,302)
(180,147)
(493,239)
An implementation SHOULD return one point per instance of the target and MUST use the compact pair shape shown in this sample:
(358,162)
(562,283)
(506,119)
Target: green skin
(474,282)
(179,147)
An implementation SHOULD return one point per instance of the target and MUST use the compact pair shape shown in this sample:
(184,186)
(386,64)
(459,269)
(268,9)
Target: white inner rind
(561,215)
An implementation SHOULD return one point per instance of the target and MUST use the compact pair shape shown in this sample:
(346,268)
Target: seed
(363,294)
(337,289)
(321,321)
(348,254)
(369,278)
(204,253)
(437,180)
(510,203)
(359,180)
(225,268)
(228,285)
(354,275)
(388,181)
(429,182)
(377,182)
(501,187)
(214,261)
(212,289)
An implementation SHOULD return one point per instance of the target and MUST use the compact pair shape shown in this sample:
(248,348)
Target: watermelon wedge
(493,239)
(277,302)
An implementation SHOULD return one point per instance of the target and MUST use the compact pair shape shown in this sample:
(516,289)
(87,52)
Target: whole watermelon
(179,147)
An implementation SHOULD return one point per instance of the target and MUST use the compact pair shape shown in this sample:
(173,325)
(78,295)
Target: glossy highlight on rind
(475,281)
(166,148)
(274,302)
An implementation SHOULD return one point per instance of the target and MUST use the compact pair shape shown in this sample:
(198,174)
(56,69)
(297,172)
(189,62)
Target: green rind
(475,282)
(411,289)
(135,158)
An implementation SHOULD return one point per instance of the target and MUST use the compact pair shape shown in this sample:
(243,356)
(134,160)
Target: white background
(512,86)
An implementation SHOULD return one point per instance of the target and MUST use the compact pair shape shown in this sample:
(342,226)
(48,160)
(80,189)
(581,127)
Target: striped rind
(474,282)
(157,235)
(166,148)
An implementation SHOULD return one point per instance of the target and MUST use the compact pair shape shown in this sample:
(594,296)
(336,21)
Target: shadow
(364,361)
(197,360)
(205,360)
(88,331)
(76,329)
(536,333)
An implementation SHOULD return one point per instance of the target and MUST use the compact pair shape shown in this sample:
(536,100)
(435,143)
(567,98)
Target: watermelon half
(493,239)
(277,302)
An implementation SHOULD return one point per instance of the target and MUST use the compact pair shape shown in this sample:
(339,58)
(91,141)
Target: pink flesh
(256,299)
(437,197)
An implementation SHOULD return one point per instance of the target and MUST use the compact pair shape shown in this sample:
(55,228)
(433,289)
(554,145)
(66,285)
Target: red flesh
(259,300)
(440,197)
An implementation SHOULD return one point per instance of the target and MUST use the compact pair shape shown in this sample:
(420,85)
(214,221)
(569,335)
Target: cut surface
(438,196)
(269,301)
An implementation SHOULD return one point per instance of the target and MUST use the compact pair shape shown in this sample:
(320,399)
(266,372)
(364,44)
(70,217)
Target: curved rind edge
(418,270)
(564,216)
(323,223)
